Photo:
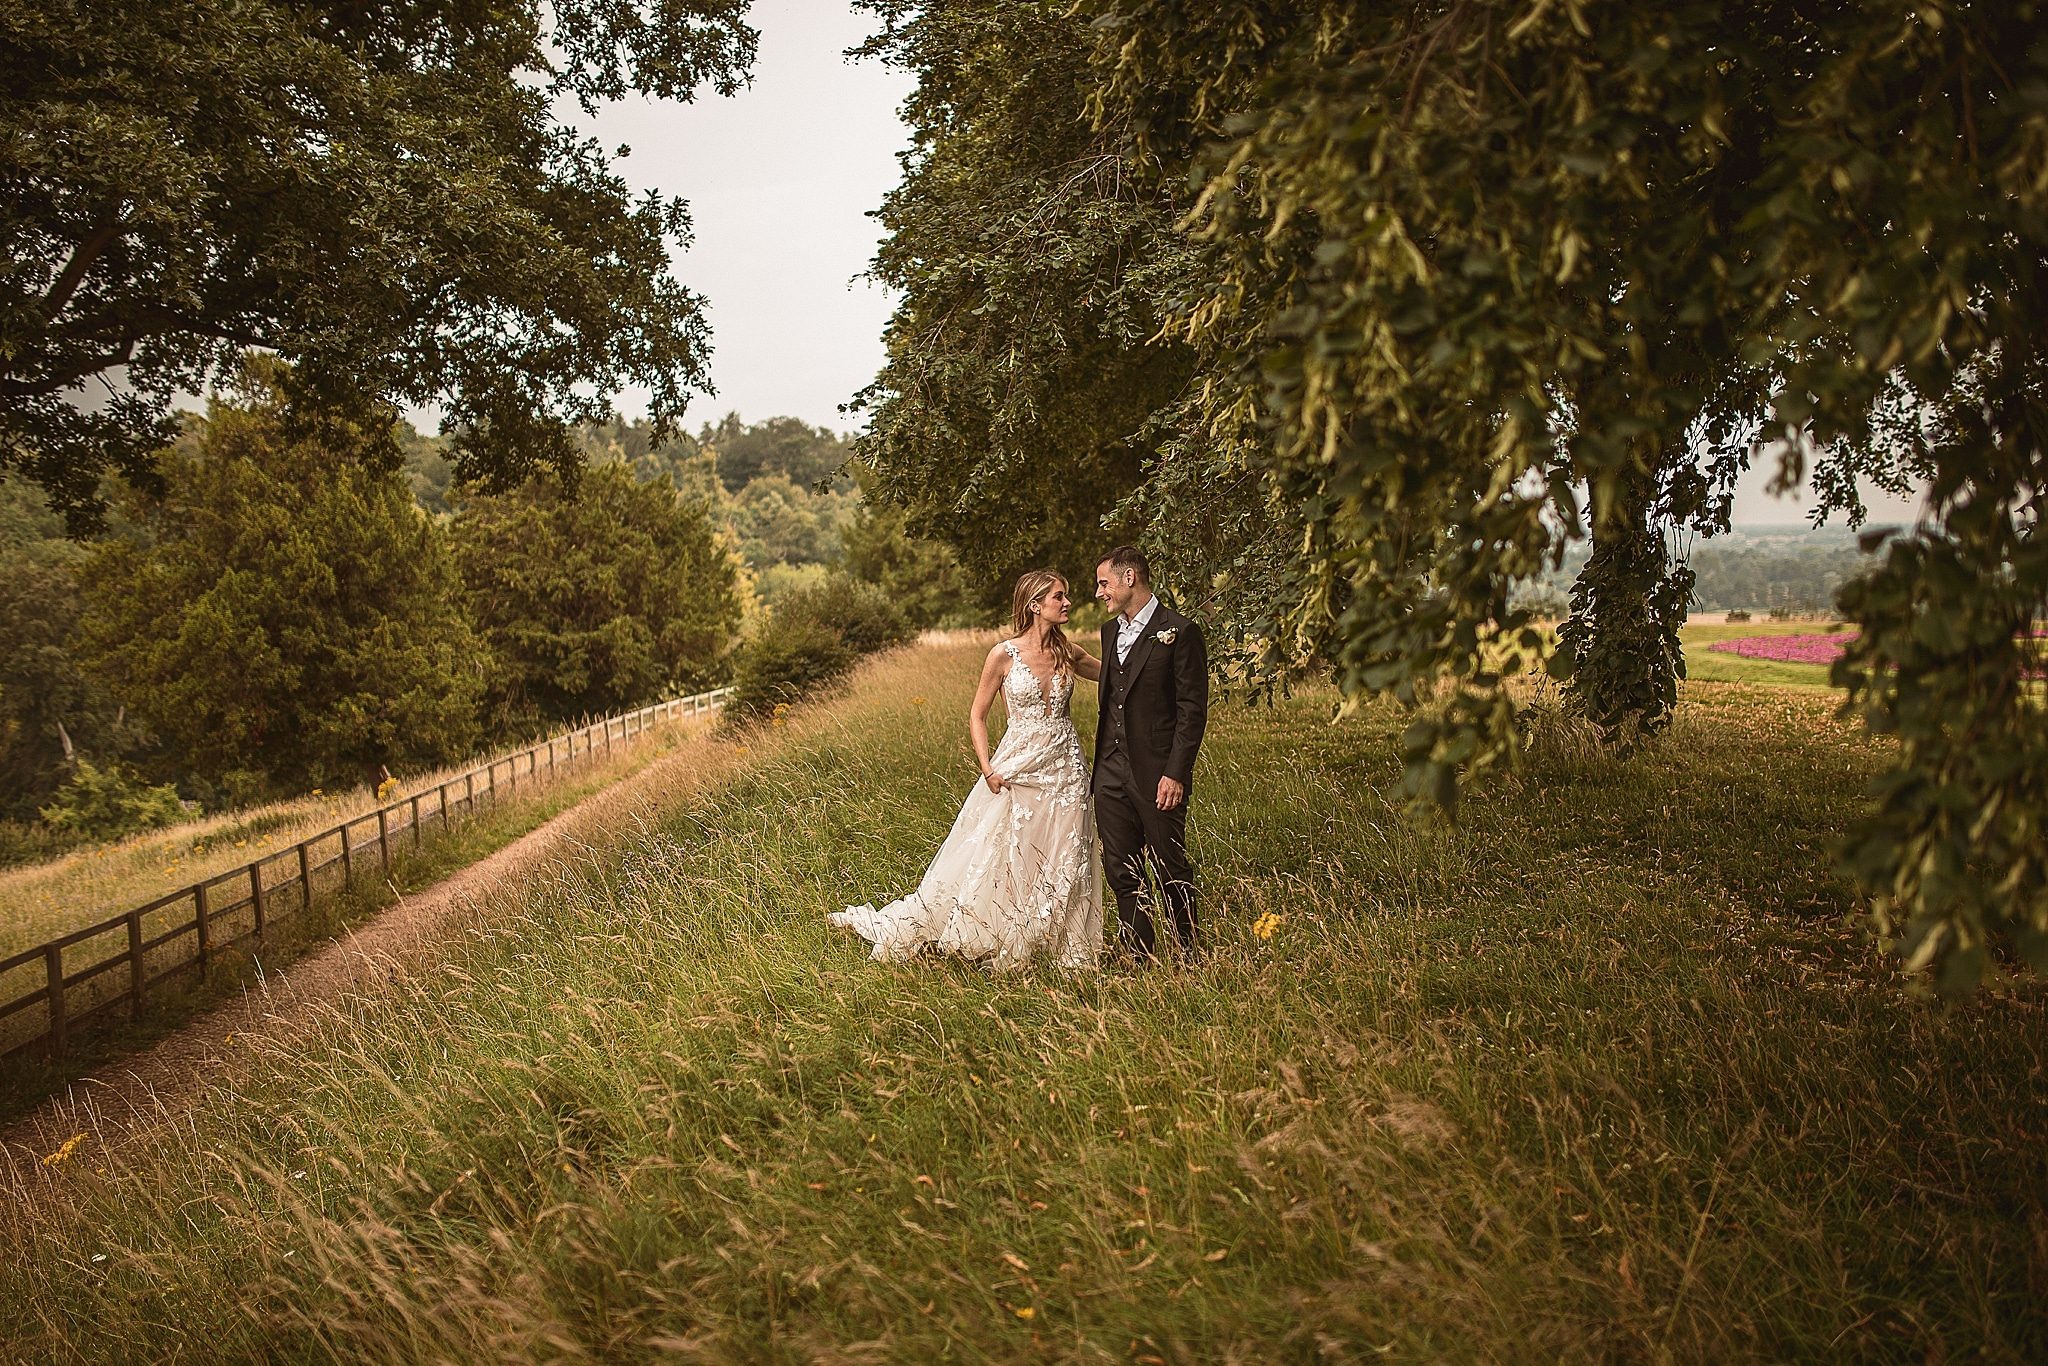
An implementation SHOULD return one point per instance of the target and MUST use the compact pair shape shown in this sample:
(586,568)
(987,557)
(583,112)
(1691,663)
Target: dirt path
(166,1081)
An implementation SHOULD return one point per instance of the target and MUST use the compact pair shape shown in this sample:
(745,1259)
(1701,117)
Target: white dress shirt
(1128,631)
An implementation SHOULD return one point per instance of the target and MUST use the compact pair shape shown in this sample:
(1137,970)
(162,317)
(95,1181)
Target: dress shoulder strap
(1011,646)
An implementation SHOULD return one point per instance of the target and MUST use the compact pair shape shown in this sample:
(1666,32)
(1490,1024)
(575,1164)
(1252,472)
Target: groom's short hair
(1131,558)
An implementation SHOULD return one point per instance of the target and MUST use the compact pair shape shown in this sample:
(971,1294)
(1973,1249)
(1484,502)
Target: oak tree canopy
(377,190)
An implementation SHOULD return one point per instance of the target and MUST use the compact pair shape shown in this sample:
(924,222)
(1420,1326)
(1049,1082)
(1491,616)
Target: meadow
(45,900)
(1706,665)
(1610,1070)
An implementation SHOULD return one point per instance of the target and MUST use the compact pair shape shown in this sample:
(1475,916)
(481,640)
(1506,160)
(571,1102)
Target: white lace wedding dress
(1020,875)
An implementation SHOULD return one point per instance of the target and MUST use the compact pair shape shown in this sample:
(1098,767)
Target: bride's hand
(993,779)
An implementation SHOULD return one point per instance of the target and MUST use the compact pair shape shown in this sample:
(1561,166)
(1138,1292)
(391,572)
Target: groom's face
(1115,587)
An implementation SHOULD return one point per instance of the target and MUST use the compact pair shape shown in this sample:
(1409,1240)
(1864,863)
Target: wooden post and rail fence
(258,888)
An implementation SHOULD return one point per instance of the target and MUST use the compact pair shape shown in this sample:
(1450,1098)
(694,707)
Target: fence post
(384,839)
(469,791)
(199,911)
(348,857)
(53,964)
(305,878)
(135,965)
(444,808)
(256,894)
(415,820)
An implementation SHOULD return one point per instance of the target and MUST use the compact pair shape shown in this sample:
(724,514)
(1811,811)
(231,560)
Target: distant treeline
(286,609)
(1795,569)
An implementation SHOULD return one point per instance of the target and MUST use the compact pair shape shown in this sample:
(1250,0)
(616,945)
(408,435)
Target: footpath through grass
(29,1078)
(1602,1074)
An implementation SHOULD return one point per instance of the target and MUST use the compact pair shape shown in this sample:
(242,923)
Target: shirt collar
(1138,622)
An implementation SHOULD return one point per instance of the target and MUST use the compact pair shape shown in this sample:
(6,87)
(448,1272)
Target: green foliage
(861,613)
(807,456)
(813,637)
(779,521)
(651,454)
(1949,662)
(429,467)
(1012,413)
(1797,569)
(595,598)
(1620,645)
(922,577)
(1445,266)
(790,657)
(778,581)
(51,707)
(383,194)
(283,616)
(25,842)
(107,803)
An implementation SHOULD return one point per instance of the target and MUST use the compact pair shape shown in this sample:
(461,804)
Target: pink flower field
(1812,647)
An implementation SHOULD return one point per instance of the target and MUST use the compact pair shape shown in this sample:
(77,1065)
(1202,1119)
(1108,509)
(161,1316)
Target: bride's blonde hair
(1031,588)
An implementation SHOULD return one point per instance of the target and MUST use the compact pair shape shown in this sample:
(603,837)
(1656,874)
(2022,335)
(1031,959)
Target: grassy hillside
(44,900)
(1603,1073)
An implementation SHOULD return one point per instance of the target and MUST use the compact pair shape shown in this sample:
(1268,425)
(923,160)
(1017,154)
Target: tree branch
(68,279)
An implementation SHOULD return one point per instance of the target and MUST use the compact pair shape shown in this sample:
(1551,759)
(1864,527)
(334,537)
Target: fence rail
(218,903)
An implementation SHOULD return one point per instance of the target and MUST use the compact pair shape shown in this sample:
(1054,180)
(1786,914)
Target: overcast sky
(780,180)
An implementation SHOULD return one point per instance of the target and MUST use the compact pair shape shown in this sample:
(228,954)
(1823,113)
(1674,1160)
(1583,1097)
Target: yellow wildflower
(1265,926)
(63,1154)
(917,701)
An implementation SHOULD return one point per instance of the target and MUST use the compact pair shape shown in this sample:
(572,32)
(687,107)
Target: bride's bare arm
(992,671)
(1085,664)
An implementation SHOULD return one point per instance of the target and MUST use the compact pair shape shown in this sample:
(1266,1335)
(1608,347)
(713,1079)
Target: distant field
(1703,665)
(1609,1072)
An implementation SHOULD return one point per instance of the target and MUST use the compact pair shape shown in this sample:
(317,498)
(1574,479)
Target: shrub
(791,656)
(31,842)
(1738,615)
(862,614)
(107,803)
(817,633)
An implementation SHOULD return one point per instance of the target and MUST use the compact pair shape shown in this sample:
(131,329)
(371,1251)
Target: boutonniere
(1166,636)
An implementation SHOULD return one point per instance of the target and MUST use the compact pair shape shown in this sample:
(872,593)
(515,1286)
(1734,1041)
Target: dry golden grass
(41,901)
(1607,1073)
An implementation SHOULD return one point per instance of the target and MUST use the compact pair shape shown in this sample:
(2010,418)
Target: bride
(1020,874)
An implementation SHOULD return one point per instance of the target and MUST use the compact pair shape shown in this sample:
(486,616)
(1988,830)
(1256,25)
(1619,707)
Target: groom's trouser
(1132,827)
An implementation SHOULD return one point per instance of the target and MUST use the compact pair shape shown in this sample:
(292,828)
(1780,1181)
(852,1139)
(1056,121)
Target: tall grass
(41,901)
(1602,1073)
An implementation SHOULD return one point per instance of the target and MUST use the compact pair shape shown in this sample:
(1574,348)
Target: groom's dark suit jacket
(1156,703)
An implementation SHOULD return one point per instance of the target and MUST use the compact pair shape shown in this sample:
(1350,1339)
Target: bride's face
(1055,607)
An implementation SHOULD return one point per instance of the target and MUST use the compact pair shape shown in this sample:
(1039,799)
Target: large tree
(1014,410)
(1452,267)
(379,191)
(283,616)
(52,709)
(596,598)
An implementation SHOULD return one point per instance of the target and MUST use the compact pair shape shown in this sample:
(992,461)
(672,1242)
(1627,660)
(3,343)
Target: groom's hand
(1170,794)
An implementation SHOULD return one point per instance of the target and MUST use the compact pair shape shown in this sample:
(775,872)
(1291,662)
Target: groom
(1155,705)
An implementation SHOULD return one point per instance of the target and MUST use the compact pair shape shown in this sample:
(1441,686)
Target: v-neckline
(1044,690)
